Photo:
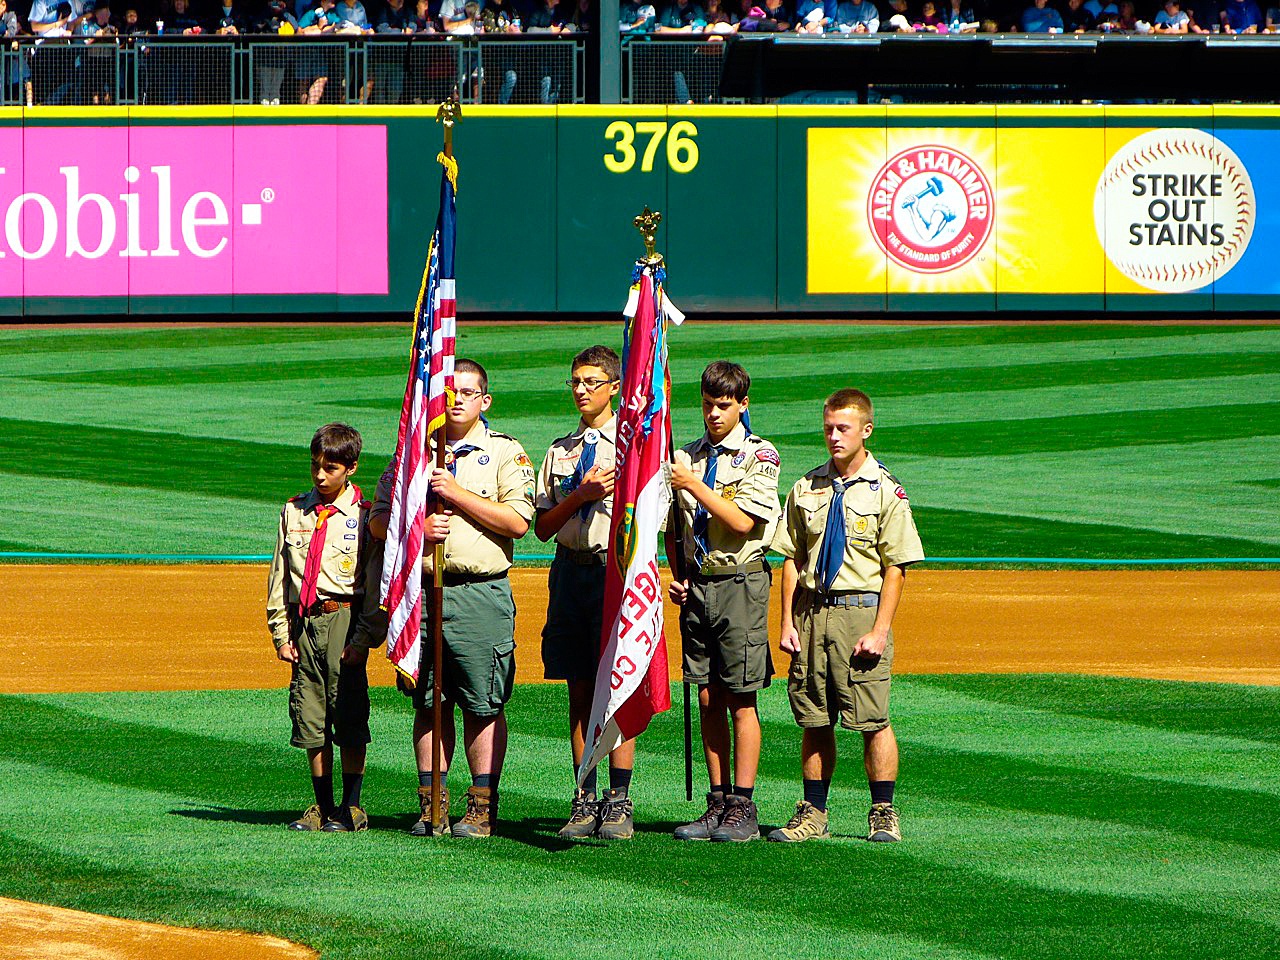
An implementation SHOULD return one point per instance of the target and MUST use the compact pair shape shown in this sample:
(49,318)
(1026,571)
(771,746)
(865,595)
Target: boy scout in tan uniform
(848,537)
(316,575)
(726,486)
(575,506)
(488,488)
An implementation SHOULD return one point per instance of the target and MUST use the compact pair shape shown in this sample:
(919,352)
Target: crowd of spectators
(949,16)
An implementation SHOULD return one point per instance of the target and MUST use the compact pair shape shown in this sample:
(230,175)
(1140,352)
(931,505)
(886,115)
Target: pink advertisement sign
(150,211)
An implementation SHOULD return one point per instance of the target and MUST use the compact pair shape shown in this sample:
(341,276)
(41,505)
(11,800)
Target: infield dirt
(100,628)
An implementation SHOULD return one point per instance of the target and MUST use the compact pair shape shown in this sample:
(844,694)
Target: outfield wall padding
(766,210)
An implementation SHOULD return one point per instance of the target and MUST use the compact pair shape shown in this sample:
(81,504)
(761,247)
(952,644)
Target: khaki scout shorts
(479,648)
(328,700)
(575,608)
(725,624)
(827,683)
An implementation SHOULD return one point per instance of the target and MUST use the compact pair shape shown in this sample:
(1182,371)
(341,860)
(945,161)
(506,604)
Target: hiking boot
(347,820)
(739,823)
(701,828)
(616,810)
(312,819)
(584,817)
(807,823)
(882,824)
(422,828)
(482,810)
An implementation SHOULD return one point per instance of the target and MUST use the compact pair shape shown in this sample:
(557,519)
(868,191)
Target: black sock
(720,788)
(351,784)
(482,780)
(589,784)
(744,791)
(426,778)
(882,791)
(620,779)
(815,792)
(323,789)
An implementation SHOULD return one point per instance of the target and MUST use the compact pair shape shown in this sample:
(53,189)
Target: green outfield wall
(770,210)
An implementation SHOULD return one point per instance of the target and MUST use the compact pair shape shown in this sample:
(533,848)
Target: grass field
(1073,441)
(1047,817)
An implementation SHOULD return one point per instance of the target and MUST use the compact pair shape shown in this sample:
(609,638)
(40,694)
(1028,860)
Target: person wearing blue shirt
(681,16)
(637,18)
(352,12)
(1041,18)
(1242,16)
(1097,9)
(1172,19)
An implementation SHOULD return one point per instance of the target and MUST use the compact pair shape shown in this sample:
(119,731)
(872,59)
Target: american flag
(426,397)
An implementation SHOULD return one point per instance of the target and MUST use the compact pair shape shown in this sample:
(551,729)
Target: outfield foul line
(531,557)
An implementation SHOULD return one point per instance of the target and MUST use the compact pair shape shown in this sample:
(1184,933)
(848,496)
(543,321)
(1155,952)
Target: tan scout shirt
(498,470)
(591,534)
(747,475)
(340,568)
(880,531)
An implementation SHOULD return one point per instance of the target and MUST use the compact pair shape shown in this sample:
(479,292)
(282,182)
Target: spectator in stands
(1272,20)
(578,20)
(56,18)
(17,80)
(394,19)
(231,21)
(132,25)
(312,68)
(857,16)
(455,11)
(1040,18)
(99,63)
(353,15)
(274,18)
(681,16)
(1076,19)
(812,16)
(181,20)
(1206,16)
(424,21)
(501,16)
(1099,10)
(930,20)
(1172,19)
(1241,16)
(778,13)
(960,17)
(545,17)
(1126,20)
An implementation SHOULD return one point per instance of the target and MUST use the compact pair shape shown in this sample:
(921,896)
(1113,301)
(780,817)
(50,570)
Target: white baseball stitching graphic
(1174,209)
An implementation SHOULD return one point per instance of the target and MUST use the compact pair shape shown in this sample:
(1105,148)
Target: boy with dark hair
(726,489)
(311,586)
(487,488)
(575,503)
(848,537)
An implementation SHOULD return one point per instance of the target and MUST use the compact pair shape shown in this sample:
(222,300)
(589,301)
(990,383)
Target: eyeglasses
(593,385)
(467,393)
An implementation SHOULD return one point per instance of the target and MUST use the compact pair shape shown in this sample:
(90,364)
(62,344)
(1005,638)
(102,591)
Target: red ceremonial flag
(631,682)
(426,397)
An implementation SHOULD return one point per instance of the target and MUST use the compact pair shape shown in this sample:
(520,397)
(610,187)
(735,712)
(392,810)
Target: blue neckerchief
(586,460)
(831,556)
(701,518)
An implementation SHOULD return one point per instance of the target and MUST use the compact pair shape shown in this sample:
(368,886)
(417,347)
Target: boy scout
(311,586)
(488,490)
(848,537)
(575,504)
(726,487)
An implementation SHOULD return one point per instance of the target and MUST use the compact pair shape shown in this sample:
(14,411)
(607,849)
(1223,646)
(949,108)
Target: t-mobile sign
(147,211)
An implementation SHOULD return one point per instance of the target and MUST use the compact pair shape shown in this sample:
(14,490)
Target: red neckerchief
(307,596)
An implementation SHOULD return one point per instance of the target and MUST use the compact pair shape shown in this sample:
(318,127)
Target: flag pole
(448,115)
(647,223)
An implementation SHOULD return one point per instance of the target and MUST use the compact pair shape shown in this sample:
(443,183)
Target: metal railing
(660,68)
(373,69)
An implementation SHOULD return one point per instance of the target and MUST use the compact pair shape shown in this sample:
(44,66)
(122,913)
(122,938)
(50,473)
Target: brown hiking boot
(739,823)
(882,824)
(807,823)
(616,810)
(347,820)
(312,819)
(701,828)
(584,817)
(482,813)
(422,828)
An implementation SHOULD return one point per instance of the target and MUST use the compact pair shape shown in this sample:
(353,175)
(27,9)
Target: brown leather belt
(582,558)
(710,572)
(323,606)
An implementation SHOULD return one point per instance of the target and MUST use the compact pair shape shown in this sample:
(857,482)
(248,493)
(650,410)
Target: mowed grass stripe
(1076,433)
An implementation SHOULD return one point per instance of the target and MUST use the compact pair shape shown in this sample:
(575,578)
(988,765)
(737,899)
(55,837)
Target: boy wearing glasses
(575,502)
(487,488)
(726,492)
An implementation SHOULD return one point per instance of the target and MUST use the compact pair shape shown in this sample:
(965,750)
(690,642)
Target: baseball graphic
(1174,209)
(930,208)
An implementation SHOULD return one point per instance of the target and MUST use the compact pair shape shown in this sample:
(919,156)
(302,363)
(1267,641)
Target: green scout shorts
(328,700)
(725,628)
(479,648)
(575,608)
(827,682)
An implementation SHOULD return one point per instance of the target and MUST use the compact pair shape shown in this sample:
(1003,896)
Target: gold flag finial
(449,113)
(647,224)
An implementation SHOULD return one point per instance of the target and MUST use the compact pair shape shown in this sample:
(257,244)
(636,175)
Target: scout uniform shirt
(339,575)
(492,465)
(589,534)
(747,475)
(879,528)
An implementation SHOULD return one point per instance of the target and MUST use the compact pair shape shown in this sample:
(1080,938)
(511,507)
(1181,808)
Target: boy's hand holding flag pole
(428,394)
(631,681)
